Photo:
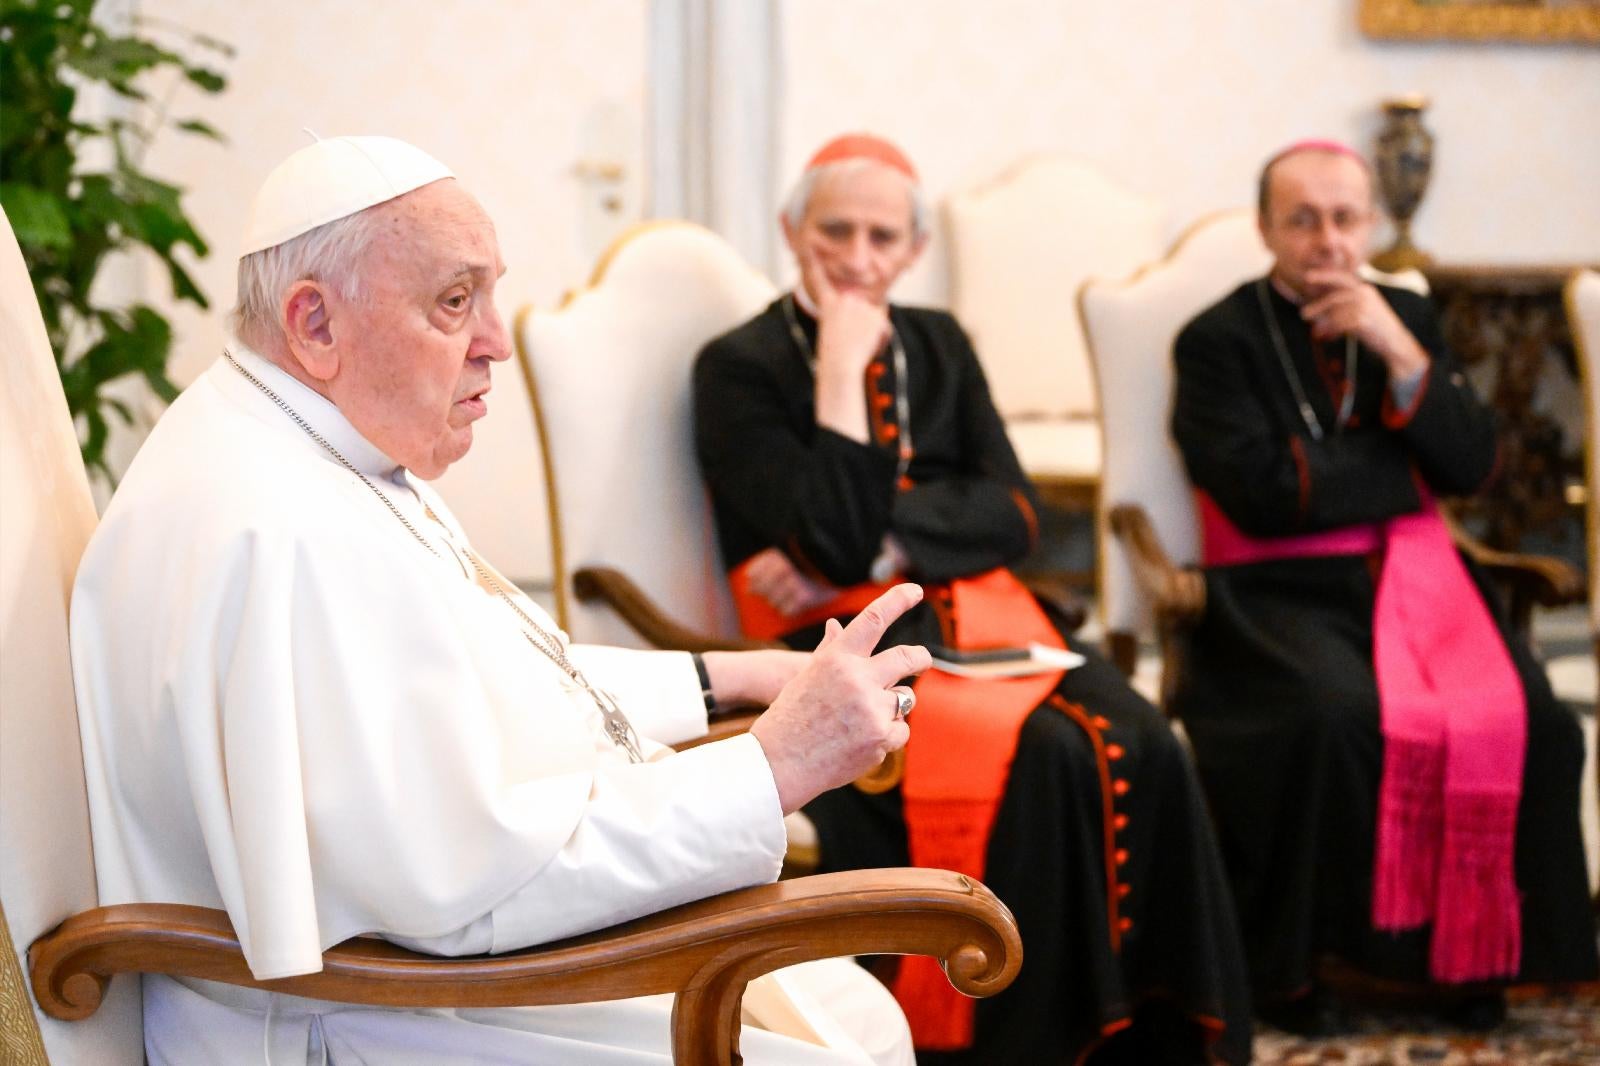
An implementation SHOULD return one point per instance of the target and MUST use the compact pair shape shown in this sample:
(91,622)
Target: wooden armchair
(80,1001)
(1583,316)
(1150,545)
(630,520)
(1017,245)
(1582,295)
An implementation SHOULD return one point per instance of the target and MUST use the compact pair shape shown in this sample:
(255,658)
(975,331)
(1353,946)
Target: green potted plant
(69,219)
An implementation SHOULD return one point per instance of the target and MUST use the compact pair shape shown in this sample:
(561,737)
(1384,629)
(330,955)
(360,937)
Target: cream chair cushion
(1019,248)
(46,515)
(1131,326)
(610,375)
(1583,314)
(1057,447)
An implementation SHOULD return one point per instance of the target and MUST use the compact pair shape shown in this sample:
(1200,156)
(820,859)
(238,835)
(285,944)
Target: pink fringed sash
(1454,721)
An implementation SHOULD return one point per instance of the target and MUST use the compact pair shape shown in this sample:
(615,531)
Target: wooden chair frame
(705,953)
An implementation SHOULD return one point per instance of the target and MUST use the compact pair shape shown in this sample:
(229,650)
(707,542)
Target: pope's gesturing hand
(836,719)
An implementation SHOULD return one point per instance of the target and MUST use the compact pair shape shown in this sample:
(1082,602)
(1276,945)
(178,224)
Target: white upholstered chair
(46,863)
(1020,247)
(1129,327)
(1149,534)
(704,952)
(634,551)
(609,376)
(1583,316)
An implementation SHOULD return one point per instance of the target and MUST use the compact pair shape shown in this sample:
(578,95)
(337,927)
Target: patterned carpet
(1541,1029)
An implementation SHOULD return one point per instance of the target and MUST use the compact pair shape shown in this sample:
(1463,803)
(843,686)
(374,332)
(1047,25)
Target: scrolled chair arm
(644,616)
(1178,593)
(705,952)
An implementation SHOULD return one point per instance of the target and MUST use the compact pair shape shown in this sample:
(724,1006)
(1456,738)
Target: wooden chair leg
(1124,651)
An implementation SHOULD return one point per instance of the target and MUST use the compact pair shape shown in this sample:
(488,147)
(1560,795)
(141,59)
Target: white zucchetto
(331,179)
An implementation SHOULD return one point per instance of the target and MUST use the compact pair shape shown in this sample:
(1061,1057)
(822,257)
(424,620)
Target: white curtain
(715,76)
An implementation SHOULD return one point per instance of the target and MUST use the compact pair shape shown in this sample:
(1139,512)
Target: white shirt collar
(319,413)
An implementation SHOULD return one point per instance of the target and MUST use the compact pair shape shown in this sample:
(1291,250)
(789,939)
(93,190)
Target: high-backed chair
(46,862)
(1129,328)
(634,553)
(705,952)
(1149,540)
(609,376)
(1020,246)
(1583,316)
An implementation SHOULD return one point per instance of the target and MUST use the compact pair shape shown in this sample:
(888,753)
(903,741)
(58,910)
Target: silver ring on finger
(904,700)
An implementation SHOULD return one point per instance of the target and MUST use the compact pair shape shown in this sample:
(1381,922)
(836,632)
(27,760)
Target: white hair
(794,208)
(330,254)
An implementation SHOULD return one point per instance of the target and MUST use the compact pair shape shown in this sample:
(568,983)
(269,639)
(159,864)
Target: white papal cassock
(292,710)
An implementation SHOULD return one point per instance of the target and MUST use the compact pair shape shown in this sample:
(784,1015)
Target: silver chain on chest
(618,728)
(1308,414)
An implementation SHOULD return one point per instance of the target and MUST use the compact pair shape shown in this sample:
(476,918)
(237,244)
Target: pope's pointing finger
(867,628)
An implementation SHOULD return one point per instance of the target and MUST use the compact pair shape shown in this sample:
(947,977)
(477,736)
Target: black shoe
(1476,1013)
(1315,1015)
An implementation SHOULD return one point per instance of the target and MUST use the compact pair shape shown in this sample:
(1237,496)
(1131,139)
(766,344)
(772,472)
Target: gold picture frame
(1482,20)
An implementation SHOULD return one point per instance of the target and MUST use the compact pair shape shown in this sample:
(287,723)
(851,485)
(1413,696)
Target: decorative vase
(1405,160)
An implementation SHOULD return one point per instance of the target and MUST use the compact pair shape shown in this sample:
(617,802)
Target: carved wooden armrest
(1549,581)
(704,952)
(615,589)
(1179,594)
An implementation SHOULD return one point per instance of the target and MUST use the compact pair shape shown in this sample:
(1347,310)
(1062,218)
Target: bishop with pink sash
(1393,779)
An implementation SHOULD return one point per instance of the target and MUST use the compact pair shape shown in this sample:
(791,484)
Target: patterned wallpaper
(1183,101)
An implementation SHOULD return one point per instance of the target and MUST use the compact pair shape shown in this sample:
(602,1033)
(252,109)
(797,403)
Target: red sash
(959,756)
(1454,722)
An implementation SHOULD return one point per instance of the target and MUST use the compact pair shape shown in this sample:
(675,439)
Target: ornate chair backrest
(609,373)
(1019,249)
(46,860)
(1130,327)
(1583,314)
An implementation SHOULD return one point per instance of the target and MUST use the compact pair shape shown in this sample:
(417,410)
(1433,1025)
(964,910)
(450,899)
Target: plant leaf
(194,125)
(209,80)
(36,216)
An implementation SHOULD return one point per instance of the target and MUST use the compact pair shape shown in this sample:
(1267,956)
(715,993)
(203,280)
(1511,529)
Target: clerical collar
(1283,290)
(317,410)
(803,298)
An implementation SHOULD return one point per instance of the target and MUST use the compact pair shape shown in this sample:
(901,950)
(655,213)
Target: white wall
(508,93)
(1183,101)
(1176,100)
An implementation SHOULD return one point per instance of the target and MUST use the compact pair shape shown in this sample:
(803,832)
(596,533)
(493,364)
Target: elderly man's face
(1319,216)
(414,353)
(858,229)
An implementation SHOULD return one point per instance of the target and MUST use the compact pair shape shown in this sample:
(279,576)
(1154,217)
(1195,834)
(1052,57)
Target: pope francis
(305,699)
